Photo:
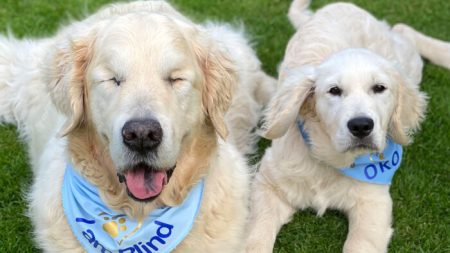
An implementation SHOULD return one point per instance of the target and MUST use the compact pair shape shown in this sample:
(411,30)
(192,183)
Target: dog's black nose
(142,135)
(360,127)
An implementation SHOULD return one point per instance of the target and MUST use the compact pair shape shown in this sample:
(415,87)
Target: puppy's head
(146,84)
(350,103)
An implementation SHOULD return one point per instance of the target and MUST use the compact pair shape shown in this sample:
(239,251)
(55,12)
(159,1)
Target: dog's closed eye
(173,80)
(116,81)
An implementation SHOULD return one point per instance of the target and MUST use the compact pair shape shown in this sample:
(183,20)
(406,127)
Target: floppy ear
(219,80)
(409,111)
(68,90)
(284,107)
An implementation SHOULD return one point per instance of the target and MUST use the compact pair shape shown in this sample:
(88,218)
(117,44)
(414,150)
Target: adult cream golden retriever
(139,100)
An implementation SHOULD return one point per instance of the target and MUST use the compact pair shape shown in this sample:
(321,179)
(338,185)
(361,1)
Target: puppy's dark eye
(335,91)
(378,88)
(117,81)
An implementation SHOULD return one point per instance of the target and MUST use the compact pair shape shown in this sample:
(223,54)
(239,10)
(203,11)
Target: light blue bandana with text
(100,229)
(376,168)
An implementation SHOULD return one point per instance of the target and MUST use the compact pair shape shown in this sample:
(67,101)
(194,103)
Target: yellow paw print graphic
(116,226)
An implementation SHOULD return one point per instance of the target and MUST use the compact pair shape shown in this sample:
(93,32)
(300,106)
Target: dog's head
(147,84)
(350,104)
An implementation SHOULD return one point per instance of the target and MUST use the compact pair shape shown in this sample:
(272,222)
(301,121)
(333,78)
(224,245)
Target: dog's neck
(305,135)
(91,159)
(321,149)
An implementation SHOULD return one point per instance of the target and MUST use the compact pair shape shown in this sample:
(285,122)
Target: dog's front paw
(363,245)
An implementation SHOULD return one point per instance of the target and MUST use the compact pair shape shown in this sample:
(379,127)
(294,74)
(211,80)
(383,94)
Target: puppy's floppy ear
(68,88)
(284,107)
(409,111)
(219,80)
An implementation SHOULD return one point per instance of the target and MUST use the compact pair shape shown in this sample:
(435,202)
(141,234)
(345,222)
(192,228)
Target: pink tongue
(142,188)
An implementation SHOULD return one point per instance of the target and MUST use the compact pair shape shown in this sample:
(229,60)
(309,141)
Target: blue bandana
(100,229)
(376,168)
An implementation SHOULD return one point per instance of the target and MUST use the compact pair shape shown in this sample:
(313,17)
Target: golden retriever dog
(348,98)
(136,102)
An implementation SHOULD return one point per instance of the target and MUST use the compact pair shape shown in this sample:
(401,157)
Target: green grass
(420,190)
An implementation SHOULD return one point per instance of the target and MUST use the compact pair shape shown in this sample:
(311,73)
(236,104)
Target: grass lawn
(420,190)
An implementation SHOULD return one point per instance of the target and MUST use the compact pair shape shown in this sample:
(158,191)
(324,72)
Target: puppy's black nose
(142,135)
(360,127)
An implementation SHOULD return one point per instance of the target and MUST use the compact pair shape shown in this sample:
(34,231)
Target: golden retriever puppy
(125,115)
(348,99)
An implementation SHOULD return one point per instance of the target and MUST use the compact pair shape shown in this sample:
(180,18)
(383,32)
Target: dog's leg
(370,224)
(268,213)
(435,50)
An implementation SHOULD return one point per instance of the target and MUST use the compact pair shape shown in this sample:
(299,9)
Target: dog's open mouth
(145,183)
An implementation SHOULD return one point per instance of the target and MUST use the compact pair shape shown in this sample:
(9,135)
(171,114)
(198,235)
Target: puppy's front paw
(372,243)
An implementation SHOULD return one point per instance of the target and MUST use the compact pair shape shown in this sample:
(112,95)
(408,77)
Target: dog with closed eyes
(348,99)
(126,116)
